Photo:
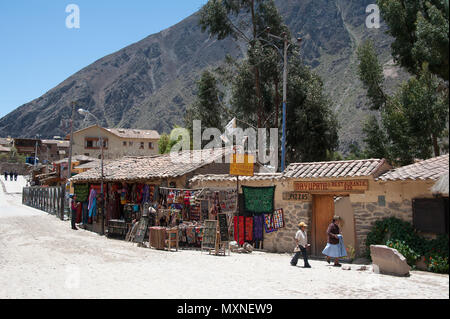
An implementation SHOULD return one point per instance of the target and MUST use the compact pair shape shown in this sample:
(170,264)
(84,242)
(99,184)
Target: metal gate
(48,199)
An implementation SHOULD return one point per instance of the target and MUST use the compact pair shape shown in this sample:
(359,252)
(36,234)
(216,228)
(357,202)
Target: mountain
(149,84)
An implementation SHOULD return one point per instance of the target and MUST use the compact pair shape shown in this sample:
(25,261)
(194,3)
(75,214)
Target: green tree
(420,30)
(412,120)
(312,128)
(375,139)
(370,72)
(416,118)
(247,20)
(207,106)
(256,87)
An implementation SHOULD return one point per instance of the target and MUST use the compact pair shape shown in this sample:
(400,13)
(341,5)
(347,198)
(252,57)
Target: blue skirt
(335,251)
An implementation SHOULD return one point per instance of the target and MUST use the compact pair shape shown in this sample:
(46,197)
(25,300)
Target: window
(91,143)
(151,146)
(142,146)
(430,215)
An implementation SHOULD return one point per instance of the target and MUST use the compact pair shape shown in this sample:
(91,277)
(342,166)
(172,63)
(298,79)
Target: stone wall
(366,214)
(384,200)
(283,240)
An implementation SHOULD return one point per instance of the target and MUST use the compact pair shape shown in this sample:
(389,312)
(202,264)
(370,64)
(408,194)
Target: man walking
(301,240)
(6,176)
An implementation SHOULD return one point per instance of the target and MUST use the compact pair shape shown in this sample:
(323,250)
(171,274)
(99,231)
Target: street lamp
(86,114)
(287,43)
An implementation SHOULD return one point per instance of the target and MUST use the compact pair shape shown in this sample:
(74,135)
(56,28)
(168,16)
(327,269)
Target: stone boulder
(388,261)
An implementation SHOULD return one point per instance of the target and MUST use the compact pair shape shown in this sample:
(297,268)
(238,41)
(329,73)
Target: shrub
(402,236)
(438,264)
(410,255)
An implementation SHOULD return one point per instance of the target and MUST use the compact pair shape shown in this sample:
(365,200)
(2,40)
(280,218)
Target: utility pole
(287,44)
(71,139)
(283,141)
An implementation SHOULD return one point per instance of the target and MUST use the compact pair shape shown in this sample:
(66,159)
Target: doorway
(323,212)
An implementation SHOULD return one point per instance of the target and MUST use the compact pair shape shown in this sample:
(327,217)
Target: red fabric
(241,230)
(79,213)
(249,228)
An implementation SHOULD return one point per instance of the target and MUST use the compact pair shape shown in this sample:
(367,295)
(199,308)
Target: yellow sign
(242,165)
(332,186)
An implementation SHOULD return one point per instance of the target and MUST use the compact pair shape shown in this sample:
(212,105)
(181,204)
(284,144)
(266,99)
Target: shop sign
(332,186)
(242,165)
(296,196)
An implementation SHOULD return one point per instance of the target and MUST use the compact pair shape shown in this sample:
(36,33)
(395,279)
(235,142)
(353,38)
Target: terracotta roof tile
(432,169)
(357,168)
(229,178)
(151,167)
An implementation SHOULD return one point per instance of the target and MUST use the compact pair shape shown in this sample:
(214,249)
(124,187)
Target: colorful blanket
(278,219)
(268,223)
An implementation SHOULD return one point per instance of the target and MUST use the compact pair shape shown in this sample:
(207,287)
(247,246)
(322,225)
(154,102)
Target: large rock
(388,261)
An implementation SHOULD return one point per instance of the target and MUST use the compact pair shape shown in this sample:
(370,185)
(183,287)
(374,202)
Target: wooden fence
(48,199)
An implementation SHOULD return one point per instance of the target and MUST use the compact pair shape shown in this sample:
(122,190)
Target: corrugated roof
(230,178)
(151,167)
(341,169)
(431,169)
(59,143)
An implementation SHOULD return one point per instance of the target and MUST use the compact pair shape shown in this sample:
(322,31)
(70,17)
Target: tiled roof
(357,168)
(152,167)
(230,178)
(431,169)
(133,133)
(441,186)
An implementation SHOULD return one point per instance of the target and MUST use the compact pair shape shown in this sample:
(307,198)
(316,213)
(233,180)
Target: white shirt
(302,238)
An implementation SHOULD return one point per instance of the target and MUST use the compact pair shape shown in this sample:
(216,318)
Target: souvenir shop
(257,216)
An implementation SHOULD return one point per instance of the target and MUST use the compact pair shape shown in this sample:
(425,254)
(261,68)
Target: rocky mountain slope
(148,84)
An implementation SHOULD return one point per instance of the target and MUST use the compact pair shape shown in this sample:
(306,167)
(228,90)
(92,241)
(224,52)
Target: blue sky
(38,51)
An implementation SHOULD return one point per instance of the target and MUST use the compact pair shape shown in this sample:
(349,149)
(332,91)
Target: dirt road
(41,257)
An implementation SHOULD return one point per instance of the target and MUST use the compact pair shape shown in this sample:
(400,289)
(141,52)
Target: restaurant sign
(333,186)
(295,196)
(242,165)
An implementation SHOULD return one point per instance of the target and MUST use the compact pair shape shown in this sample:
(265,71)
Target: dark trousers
(296,257)
(74,218)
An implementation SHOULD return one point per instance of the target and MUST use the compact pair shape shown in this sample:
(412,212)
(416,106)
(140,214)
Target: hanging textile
(268,223)
(82,192)
(123,194)
(248,229)
(139,193)
(278,219)
(259,200)
(92,196)
(146,194)
(134,196)
(258,228)
(241,229)
(93,209)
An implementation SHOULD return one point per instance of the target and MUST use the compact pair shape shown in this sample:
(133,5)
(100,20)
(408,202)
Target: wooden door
(323,212)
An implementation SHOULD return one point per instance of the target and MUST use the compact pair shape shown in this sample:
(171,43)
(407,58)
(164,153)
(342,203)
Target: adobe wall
(383,200)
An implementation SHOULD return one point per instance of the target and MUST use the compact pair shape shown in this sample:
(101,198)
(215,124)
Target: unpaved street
(41,257)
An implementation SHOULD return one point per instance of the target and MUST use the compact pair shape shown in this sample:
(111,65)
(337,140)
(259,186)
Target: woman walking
(335,247)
